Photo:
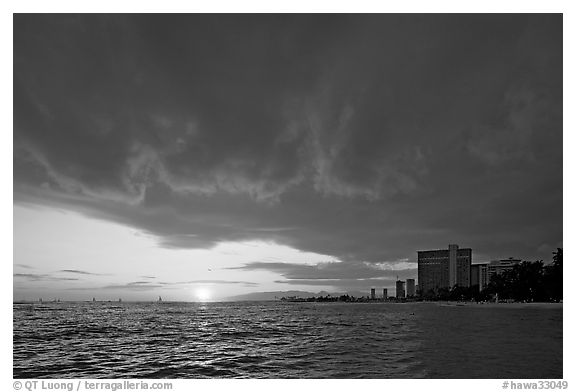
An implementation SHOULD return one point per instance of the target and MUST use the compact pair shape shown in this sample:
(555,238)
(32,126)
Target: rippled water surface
(286,340)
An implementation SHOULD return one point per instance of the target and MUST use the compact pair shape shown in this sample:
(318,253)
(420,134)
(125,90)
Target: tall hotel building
(400,291)
(443,268)
(410,287)
(479,276)
(497,267)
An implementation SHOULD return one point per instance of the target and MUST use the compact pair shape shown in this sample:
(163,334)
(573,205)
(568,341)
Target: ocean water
(286,340)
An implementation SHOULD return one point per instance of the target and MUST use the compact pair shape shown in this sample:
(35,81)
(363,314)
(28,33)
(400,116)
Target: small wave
(256,340)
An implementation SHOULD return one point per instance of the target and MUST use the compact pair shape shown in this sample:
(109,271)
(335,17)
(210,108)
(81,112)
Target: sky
(197,157)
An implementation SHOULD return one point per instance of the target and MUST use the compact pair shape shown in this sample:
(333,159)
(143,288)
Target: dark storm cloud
(364,137)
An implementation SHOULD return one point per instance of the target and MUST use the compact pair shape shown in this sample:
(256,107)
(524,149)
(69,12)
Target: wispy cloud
(138,286)
(130,286)
(41,277)
(343,284)
(333,270)
(147,285)
(80,272)
(219,281)
(26,266)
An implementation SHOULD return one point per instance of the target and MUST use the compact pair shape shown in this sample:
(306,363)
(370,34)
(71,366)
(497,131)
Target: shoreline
(544,305)
(510,305)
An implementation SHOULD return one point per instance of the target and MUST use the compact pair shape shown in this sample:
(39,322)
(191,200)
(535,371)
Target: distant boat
(159,299)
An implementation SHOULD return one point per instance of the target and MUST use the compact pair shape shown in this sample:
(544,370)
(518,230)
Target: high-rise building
(453,267)
(443,268)
(400,292)
(410,287)
(384,293)
(479,275)
(372,293)
(497,267)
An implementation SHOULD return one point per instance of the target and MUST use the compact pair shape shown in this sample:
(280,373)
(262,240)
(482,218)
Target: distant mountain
(276,295)
(269,295)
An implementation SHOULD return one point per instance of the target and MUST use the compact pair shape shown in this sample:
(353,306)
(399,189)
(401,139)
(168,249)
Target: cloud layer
(364,137)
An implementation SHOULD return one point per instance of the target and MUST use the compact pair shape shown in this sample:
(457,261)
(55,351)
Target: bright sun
(202,294)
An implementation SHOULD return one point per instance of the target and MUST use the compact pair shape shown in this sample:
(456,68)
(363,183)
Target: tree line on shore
(525,282)
(528,281)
